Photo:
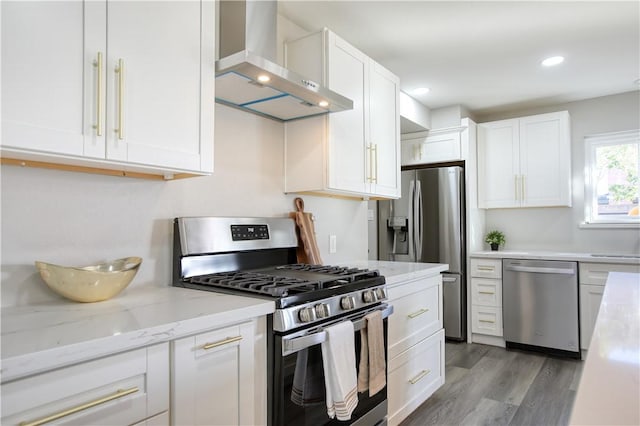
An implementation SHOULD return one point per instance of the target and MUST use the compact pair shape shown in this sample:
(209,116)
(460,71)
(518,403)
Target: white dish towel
(340,376)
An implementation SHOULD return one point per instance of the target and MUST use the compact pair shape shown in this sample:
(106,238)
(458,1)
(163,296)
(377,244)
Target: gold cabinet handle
(489,321)
(120,72)
(370,171)
(418,313)
(375,157)
(98,64)
(118,394)
(515,186)
(522,183)
(212,345)
(486,292)
(485,268)
(419,377)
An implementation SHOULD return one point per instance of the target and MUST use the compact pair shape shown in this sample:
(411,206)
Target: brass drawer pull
(486,292)
(485,268)
(212,345)
(118,394)
(120,72)
(98,65)
(489,321)
(418,313)
(419,377)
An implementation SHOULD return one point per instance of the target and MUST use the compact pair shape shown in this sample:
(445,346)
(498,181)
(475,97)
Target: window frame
(592,142)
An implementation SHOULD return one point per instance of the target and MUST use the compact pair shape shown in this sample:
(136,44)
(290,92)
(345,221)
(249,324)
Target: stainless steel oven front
(297,392)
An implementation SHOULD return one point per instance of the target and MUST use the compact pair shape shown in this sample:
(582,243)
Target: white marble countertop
(395,272)
(609,388)
(43,336)
(552,255)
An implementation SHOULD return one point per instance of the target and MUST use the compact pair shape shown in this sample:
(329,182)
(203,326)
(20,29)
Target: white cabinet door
(384,132)
(590,299)
(525,162)
(65,99)
(545,160)
(350,153)
(45,72)
(213,377)
(347,73)
(498,164)
(166,49)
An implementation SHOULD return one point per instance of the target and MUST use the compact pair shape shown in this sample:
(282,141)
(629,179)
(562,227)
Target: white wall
(557,228)
(79,219)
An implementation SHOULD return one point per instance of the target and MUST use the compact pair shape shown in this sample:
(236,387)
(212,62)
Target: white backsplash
(79,219)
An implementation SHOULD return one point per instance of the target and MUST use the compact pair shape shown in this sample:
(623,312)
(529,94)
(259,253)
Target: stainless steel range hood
(247,76)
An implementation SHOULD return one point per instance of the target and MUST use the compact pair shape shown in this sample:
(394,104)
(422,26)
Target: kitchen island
(609,389)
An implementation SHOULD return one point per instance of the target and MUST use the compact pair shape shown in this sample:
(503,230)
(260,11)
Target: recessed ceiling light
(323,104)
(263,78)
(554,60)
(420,91)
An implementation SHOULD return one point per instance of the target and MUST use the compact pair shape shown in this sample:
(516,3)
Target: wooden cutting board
(307,245)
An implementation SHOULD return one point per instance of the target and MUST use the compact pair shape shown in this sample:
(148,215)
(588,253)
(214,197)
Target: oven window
(301,400)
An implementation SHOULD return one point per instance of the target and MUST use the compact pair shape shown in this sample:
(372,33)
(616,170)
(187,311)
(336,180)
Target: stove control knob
(369,296)
(307,314)
(322,310)
(381,294)
(347,303)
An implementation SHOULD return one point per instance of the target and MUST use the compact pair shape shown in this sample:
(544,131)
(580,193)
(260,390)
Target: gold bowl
(90,283)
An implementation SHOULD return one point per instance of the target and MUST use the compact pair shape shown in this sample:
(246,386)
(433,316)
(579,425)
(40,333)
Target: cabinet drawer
(416,316)
(414,375)
(486,268)
(486,292)
(597,273)
(486,320)
(120,389)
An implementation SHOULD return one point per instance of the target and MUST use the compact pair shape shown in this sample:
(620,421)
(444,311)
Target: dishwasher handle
(540,270)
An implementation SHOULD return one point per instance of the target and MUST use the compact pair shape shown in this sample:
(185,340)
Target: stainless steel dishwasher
(540,303)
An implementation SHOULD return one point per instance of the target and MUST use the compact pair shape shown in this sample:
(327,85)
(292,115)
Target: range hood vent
(247,76)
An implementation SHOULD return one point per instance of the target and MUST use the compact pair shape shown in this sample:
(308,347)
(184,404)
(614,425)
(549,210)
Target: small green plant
(495,237)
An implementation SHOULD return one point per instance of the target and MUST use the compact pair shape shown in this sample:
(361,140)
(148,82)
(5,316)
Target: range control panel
(249,232)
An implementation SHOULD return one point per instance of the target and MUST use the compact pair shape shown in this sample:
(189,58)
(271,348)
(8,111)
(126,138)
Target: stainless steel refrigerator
(427,225)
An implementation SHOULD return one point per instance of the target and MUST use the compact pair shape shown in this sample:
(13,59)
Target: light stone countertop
(43,336)
(395,272)
(552,255)
(609,388)
(40,337)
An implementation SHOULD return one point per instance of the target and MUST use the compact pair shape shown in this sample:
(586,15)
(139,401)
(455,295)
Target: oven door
(298,396)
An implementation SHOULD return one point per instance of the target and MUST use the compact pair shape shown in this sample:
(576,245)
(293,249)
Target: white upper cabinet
(437,146)
(525,162)
(109,84)
(354,152)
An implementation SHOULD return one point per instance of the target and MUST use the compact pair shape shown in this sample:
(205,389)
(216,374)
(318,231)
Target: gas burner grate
(256,283)
(351,274)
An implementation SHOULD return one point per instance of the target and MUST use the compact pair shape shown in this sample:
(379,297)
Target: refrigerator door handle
(411,219)
(418,221)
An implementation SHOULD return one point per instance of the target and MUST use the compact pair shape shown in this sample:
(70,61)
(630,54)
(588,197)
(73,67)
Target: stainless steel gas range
(257,257)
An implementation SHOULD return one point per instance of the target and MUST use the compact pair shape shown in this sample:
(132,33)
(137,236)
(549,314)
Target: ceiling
(486,56)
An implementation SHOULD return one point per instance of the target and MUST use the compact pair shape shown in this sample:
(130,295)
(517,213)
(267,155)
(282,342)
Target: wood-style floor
(486,385)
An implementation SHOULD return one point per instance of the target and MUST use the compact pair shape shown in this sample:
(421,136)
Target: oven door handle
(296,344)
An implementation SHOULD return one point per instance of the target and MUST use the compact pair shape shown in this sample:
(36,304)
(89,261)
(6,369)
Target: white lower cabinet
(414,376)
(486,301)
(126,388)
(213,377)
(416,345)
(593,277)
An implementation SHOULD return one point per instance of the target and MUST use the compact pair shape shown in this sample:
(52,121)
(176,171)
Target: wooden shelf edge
(94,170)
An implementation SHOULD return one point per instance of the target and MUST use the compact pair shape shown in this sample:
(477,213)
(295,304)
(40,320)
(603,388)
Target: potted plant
(494,239)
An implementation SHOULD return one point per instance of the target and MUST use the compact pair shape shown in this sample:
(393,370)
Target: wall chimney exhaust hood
(247,76)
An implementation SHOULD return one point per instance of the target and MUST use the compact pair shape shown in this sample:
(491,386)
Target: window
(612,185)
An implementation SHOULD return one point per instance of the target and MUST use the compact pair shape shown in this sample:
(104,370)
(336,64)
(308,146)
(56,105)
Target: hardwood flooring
(487,385)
